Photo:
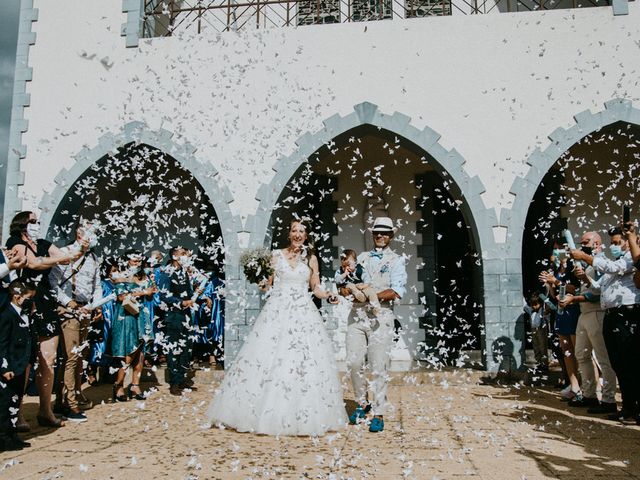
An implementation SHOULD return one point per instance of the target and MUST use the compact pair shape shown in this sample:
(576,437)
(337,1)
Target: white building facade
(463,114)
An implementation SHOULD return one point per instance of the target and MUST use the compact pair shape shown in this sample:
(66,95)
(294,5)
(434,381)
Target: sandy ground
(444,425)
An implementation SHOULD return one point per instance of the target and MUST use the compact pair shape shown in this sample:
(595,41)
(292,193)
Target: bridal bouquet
(256,264)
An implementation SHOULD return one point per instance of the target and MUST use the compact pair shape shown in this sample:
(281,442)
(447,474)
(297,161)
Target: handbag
(131,305)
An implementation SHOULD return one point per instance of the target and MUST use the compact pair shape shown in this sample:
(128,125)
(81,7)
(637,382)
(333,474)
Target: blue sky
(9,13)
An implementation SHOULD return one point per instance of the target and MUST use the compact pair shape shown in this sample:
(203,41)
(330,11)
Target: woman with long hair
(131,326)
(284,380)
(42,255)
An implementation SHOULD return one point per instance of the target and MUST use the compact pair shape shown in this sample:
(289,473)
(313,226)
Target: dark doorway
(141,198)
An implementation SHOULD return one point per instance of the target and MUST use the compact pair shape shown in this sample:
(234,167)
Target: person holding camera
(589,336)
(621,326)
(77,285)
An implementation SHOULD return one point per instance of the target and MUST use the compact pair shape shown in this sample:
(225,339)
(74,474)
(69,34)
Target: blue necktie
(375,254)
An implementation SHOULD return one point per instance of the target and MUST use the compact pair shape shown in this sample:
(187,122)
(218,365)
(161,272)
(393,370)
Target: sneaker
(581,401)
(76,416)
(377,425)
(603,407)
(358,414)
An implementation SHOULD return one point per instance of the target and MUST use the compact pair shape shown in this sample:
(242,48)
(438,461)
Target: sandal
(116,397)
(45,422)
(132,394)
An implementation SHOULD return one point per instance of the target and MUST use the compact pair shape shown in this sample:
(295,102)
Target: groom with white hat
(369,331)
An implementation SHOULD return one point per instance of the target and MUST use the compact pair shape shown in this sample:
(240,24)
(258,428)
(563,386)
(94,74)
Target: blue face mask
(616,251)
(556,252)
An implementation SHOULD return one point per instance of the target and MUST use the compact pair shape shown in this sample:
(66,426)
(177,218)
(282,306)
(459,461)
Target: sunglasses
(381,234)
(34,222)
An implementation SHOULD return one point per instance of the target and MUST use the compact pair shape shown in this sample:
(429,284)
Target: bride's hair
(309,248)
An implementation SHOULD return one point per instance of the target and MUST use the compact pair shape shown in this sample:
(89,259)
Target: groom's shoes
(359,414)
(376,425)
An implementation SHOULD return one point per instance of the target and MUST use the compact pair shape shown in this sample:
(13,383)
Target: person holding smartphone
(621,326)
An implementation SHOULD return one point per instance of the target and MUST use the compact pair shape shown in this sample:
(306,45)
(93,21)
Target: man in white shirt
(589,336)
(620,299)
(370,331)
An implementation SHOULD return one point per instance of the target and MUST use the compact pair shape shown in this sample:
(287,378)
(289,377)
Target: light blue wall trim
(131,29)
(620,7)
(19,125)
(367,113)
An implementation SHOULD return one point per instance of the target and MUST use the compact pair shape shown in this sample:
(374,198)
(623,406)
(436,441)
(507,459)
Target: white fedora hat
(383,225)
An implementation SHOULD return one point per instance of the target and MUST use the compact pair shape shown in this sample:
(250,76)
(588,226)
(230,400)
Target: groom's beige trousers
(371,337)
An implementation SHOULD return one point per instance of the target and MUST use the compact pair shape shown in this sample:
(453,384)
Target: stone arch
(137,132)
(449,163)
(541,161)
(184,153)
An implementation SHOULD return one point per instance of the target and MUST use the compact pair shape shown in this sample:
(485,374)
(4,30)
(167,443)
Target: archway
(141,198)
(202,176)
(584,190)
(369,171)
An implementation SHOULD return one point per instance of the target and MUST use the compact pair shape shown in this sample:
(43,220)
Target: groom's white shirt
(383,272)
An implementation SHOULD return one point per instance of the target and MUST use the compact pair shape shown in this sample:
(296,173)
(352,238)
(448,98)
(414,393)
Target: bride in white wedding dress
(284,380)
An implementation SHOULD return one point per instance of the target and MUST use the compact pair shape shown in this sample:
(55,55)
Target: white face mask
(185,261)
(33,230)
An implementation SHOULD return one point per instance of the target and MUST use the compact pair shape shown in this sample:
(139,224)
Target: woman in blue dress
(100,356)
(131,327)
(209,316)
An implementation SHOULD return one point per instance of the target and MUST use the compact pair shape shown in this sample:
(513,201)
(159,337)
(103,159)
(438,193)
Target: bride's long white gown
(284,380)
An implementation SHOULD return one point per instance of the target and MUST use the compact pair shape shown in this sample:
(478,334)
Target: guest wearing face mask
(621,327)
(78,286)
(589,336)
(176,293)
(131,328)
(41,255)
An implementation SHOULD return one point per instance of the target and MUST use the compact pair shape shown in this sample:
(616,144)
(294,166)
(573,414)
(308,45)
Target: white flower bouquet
(256,264)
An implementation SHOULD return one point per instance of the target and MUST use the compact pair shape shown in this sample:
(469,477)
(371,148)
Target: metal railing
(166,17)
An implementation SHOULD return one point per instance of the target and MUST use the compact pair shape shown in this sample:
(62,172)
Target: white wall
(494,86)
